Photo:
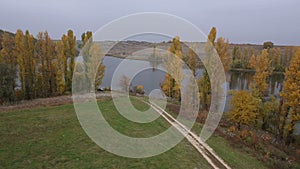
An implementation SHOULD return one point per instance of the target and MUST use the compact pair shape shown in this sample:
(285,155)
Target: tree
(19,51)
(193,61)
(263,70)
(268,45)
(290,110)
(93,58)
(24,50)
(173,65)
(47,65)
(125,83)
(222,47)
(244,108)
(236,57)
(69,47)
(275,57)
(7,83)
(259,86)
(60,80)
(271,112)
(7,55)
(204,82)
(30,66)
(95,68)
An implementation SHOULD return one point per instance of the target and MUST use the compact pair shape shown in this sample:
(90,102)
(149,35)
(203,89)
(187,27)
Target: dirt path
(45,102)
(203,148)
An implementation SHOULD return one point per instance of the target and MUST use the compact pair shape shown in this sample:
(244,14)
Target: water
(151,77)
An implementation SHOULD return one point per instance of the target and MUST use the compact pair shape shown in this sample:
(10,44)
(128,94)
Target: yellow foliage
(222,46)
(244,108)
(290,94)
(263,70)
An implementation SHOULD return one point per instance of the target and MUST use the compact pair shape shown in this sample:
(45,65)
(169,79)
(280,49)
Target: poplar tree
(69,48)
(290,110)
(204,82)
(259,86)
(60,80)
(8,70)
(19,51)
(173,65)
(222,47)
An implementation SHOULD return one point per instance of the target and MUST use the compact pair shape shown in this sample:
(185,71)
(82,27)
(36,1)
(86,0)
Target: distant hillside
(1,35)
(2,32)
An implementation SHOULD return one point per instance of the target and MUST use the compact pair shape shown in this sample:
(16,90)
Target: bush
(138,90)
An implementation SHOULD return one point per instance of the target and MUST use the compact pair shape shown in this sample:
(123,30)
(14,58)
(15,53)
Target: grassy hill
(51,137)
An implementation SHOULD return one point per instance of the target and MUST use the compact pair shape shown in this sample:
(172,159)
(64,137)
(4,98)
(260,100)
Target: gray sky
(253,21)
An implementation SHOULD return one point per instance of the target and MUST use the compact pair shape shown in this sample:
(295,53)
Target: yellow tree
(19,51)
(69,47)
(244,108)
(204,82)
(95,67)
(7,54)
(7,50)
(222,47)
(275,57)
(60,80)
(259,86)
(24,51)
(290,110)
(47,65)
(8,69)
(193,61)
(173,65)
(30,66)
(263,70)
(93,58)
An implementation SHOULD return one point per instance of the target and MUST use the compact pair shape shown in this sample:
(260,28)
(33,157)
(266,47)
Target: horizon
(252,22)
(162,41)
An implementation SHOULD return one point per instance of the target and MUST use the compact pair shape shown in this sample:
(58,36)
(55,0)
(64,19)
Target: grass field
(51,137)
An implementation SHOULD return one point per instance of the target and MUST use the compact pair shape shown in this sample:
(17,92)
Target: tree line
(34,67)
(253,108)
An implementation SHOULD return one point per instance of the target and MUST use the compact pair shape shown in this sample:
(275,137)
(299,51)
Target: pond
(151,74)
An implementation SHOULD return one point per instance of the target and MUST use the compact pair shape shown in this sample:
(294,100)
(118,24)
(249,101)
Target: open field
(51,137)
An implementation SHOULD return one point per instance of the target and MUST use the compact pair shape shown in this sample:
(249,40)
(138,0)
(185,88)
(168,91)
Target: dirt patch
(47,102)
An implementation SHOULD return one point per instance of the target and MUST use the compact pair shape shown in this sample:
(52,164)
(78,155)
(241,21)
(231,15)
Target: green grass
(53,138)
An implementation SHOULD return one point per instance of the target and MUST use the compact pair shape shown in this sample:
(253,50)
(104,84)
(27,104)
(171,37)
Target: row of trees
(252,108)
(37,67)
(255,108)
(280,56)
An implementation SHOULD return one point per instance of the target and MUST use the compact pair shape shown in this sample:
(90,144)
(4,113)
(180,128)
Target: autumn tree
(7,83)
(263,70)
(60,80)
(204,81)
(275,57)
(8,68)
(244,108)
(95,67)
(69,47)
(173,65)
(24,50)
(287,55)
(222,47)
(19,51)
(47,65)
(290,110)
(192,60)
(259,86)
(93,58)
(30,66)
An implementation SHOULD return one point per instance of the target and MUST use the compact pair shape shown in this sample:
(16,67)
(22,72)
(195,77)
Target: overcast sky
(252,21)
